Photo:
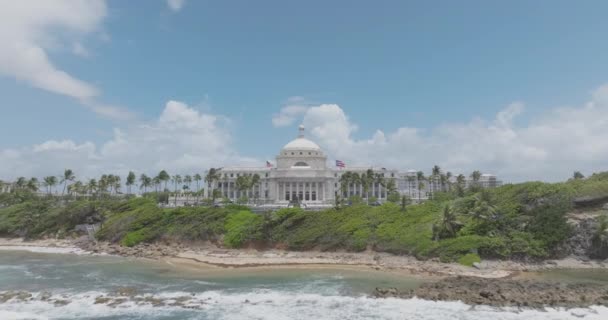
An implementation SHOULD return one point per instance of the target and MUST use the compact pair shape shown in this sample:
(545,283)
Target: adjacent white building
(302,174)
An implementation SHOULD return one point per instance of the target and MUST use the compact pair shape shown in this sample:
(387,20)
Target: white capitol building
(302,174)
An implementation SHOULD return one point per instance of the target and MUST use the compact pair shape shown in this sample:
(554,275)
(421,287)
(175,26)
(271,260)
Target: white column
(317,191)
(298,191)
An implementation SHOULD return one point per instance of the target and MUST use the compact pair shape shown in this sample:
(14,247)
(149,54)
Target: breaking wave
(263,304)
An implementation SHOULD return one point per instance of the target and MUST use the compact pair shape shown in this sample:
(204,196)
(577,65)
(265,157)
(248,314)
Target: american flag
(268,164)
(340,164)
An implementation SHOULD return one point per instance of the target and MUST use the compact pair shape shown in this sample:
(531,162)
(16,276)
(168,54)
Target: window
(309,153)
(300,153)
(266,175)
(231,175)
(292,153)
(301,164)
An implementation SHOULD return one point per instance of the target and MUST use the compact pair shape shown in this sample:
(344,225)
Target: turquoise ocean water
(327,293)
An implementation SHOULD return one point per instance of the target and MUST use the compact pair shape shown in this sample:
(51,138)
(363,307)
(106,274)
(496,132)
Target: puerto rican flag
(268,164)
(340,164)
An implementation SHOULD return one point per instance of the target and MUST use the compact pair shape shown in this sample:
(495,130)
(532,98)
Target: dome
(301,143)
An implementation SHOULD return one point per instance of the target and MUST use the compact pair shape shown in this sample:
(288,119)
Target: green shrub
(468,259)
(241,227)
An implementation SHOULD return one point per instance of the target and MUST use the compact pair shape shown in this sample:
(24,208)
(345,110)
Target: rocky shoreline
(505,292)
(209,255)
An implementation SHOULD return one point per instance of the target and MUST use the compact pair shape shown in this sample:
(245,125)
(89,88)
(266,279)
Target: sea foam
(274,304)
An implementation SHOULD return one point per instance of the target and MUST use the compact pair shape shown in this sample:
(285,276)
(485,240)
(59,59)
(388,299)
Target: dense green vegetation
(526,220)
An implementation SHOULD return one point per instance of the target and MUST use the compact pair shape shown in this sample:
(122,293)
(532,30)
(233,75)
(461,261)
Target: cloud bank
(548,148)
(175,5)
(185,140)
(182,140)
(30,28)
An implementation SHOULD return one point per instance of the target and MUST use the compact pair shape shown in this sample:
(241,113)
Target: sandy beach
(208,255)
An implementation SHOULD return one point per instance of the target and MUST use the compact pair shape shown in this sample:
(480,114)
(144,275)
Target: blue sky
(386,64)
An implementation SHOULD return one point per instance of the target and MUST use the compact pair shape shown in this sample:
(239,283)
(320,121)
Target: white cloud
(30,28)
(182,140)
(548,148)
(185,140)
(79,50)
(293,108)
(175,5)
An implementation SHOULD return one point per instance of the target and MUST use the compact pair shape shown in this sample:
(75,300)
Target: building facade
(301,174)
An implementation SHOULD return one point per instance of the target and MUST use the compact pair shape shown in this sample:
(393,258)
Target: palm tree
(475,176)
(91,186)
(410,184)
(130,181)
(436,172)
(482,207)
(144,182)
(448,177)
(49,182)
(448,225)
(421,186)
(391,186)
(366,179)
(420,179)
(211,177)
(76,188)
(255,181)
(460,179)
(442,181)
(163,176)
(33,184)
(68,175)
(156,181)
(176,179)
(21,183)
(115,183)
(345,180)
(356,181)
(102,186)
(197,178)
(188,180)
(381,182)
(242,184)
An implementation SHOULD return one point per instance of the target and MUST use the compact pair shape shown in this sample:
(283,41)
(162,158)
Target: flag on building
(340,164)
(268,164)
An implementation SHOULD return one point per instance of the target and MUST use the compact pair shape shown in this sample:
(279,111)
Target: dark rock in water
(16,295)
(506,292)
(126,291)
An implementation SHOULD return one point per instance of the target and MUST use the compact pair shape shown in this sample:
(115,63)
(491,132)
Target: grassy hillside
(525,220)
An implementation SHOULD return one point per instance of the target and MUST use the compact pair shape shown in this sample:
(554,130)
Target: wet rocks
(506,292)
(16,295)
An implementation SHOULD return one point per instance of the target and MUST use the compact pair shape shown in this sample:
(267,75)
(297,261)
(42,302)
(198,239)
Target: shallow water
(292,293)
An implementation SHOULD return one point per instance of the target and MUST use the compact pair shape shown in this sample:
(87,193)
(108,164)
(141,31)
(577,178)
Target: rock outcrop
(506,292)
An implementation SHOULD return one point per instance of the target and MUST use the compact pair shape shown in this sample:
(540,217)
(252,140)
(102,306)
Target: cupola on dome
(301,143)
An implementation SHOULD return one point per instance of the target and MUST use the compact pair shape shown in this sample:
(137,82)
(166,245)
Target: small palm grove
(459,223)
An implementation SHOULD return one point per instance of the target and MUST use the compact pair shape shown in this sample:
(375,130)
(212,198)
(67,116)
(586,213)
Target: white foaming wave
(60,250)
(9,315)
(271,304)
